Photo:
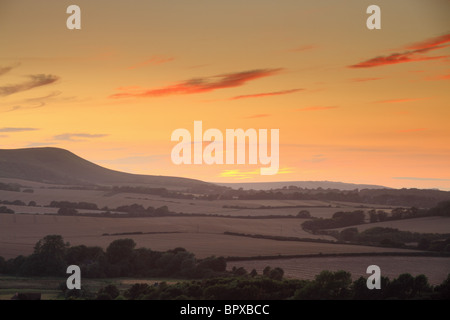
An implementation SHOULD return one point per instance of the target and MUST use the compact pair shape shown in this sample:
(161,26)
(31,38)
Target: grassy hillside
(59,166)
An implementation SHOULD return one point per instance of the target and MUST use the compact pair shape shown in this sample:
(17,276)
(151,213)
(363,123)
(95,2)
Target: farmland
(234,228)
(204,236)
(422,225)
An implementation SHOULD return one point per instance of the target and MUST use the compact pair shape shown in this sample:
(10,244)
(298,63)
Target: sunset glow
(351,104)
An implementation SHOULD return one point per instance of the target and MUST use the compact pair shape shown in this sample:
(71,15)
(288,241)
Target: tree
(120,250)
(349,234)
(216,264)
(402,287)
(327,285)
(48,258)
(304,214)
(276,274)
(65,211)
(373,216)
(2,265)
(110,292)
(442,291)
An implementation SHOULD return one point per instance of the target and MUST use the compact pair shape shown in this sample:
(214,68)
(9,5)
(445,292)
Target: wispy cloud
(420,179)
(155,60)
(414,53)
(316,159)
(317,108)
(76,136)
(401,100)
(266,94)
(17,129)
(439,77)
(431,44)
(303,48)
(257,116)
(36,80)
(199,85)
(4,70)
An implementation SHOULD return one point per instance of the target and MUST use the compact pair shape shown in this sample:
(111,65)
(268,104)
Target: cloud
(431,44)
(3,136)
(257,116)
(401,100)
(439,77)
(36,80)
(420,179)
(199,85)
(73,136)
(413,54)
(4,70)
(17,129)
(316,159)
(317,108)
(259,95)
(303,48)
(155,60)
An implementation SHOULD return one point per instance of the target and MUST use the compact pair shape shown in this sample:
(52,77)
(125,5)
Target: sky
(351,104)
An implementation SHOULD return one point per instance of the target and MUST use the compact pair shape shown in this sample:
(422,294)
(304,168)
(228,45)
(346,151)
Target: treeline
(394,238)
(344,219)
(420,198)
(338,220)
(52,255)
(9,187)
(133,210)
(327,285)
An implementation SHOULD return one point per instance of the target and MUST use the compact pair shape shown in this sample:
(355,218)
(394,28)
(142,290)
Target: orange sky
(351,104)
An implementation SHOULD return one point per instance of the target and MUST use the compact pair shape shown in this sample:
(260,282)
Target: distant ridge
(300,184)
(60,166)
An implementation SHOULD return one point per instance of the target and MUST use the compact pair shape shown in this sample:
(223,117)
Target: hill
(59,166)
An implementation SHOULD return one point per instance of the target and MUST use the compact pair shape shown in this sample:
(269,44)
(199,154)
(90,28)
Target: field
(201,235)
(422,225)
(436,269)
(204,235)
(44,195)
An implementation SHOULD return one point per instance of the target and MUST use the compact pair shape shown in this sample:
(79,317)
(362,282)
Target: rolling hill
(59,166)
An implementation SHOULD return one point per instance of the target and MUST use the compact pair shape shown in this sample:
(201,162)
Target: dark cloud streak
(36,80)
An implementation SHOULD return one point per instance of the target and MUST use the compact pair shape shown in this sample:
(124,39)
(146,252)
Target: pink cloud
(199,85)
(414,53)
